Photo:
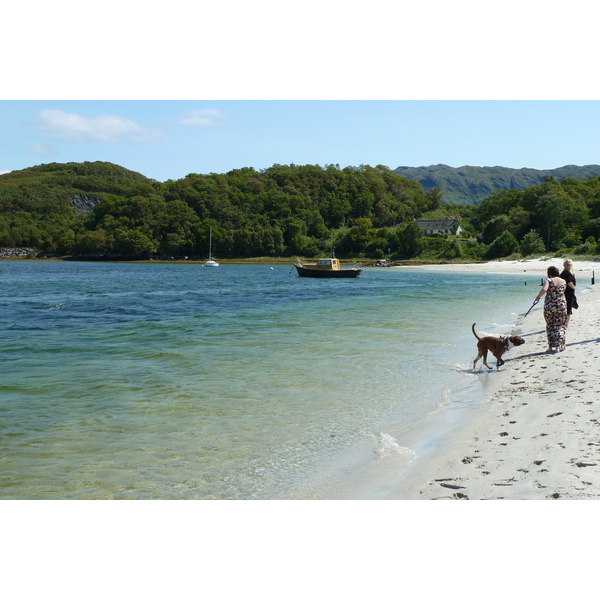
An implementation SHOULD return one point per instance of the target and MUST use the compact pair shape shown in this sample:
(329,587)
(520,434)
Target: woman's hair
(568,264)
(553,272)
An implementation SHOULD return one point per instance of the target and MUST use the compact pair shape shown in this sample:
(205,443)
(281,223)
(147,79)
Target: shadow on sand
(567,345)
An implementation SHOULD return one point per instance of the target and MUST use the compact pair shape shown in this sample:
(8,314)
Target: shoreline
(535,430)
(371,468)
(538,266)
(583,269)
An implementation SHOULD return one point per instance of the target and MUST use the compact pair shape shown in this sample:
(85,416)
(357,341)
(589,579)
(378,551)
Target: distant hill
(470,185)
(65,187)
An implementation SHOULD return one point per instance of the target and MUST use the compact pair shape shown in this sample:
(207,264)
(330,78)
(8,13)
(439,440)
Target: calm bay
(174,381)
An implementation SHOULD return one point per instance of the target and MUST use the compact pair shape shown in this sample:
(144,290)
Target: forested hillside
(470,185)
(281,211)
(103,211)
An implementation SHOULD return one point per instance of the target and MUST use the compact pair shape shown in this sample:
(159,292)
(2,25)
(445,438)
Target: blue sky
(210,87)
(171,138)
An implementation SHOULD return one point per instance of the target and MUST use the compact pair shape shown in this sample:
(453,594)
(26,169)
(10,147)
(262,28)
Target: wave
(22,327)
(388,446)
(59,306)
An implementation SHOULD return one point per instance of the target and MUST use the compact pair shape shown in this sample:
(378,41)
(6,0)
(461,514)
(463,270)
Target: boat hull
(343,273)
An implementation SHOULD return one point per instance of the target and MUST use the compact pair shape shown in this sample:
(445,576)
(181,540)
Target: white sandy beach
(536,432)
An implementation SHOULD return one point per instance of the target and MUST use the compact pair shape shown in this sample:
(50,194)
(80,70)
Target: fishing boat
(325,267)
(210,262)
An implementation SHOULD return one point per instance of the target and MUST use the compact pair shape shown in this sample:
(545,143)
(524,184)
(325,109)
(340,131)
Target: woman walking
(555,310)
(569,277)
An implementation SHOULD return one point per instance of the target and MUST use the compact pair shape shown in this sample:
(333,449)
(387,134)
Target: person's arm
(543,290)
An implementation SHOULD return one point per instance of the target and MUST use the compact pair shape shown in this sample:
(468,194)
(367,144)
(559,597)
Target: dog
(496,345)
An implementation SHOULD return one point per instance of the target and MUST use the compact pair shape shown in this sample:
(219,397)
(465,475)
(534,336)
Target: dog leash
(534,303)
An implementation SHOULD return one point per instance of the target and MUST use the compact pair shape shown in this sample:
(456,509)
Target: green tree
(494,228)
(410,241)
(434,199)
(302,245)
(588,247)
(532,243)
(504,245)
(499,202)
(91,242)
(453,249)
(132,243)
(361,235)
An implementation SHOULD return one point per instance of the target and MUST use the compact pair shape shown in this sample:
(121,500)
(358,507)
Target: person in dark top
(569,277)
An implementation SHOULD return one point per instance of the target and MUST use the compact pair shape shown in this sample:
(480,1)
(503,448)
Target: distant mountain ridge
(470,185)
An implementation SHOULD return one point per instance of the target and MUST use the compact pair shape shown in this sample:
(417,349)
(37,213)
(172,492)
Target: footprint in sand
(452,486)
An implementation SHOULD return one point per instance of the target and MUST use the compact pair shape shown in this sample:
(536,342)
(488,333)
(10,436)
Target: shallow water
(174,381)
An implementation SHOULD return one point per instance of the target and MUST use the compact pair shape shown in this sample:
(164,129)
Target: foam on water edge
(390,446)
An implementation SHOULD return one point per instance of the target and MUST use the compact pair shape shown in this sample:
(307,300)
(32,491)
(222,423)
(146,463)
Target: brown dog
(496,345)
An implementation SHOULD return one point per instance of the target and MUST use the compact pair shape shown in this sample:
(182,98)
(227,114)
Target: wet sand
(536,431)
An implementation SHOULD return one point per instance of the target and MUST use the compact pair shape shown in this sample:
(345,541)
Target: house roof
(438,225)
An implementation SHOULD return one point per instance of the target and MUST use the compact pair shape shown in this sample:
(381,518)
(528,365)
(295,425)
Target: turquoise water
(172,381)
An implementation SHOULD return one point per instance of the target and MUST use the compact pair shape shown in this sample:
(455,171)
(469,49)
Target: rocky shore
(19,253)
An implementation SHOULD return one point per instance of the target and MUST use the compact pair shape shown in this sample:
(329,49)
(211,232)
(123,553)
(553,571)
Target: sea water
(175,381)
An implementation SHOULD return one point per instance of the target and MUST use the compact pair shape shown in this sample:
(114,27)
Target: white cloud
(4,172)
(42,149)
(203,118)
(107,129)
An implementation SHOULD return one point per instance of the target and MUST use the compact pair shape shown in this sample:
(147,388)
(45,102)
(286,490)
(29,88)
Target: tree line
(285,211)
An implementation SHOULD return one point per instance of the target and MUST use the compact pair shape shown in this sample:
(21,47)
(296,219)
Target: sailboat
(210,262)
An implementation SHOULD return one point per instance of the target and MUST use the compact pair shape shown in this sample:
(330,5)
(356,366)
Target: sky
(168,139)
(207,88)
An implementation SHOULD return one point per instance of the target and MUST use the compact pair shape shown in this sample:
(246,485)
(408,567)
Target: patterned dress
(555,313)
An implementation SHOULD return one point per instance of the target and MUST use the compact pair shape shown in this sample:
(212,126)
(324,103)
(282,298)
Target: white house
(449,226)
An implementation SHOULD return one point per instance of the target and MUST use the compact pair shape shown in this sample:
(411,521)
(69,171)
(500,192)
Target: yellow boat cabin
(325,264)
